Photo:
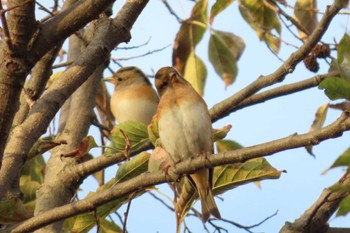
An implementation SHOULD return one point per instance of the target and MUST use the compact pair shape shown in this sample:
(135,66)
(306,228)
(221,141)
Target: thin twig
(42,7)
(136,46)
(138,56)
(171,11)
(126,214)
(293,21)
(162,201)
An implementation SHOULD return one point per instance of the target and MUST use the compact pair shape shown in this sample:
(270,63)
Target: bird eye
(119,79)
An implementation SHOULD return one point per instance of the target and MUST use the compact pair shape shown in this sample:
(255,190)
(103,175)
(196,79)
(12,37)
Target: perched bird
(133,97)
(185,130)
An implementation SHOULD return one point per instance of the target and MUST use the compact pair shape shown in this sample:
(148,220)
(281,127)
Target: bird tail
(202,183)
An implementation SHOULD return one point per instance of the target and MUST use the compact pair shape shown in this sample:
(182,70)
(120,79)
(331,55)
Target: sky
(297,189)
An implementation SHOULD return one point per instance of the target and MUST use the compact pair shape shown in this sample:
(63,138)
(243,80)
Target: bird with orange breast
(185,131)
(133,97)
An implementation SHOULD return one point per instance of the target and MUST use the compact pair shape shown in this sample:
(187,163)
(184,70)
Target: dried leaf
(189,35)
(320,118)
(305,13)
(83,148)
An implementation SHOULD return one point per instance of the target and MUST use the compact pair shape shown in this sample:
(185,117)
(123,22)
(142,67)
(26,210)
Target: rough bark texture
(13,69)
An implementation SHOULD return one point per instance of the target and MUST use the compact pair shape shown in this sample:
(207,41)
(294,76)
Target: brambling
(185,131)
(133,97)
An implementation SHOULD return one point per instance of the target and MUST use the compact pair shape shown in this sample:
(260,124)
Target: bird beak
(110,80)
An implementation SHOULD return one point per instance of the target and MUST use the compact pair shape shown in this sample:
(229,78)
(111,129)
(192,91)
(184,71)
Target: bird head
(127,76)
(167,77)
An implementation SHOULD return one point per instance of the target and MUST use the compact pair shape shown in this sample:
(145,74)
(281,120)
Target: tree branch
(108,35)
(315,219)
(189,166)
(64,24)
(226,106)
(21,27)
(284,90)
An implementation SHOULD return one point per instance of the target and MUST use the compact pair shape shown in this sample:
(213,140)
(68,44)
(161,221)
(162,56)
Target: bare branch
(284,90)
(171,11)
(315,219)
(116,60)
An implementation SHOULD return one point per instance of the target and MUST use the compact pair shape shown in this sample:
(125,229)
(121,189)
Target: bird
(185,131)
(134,98)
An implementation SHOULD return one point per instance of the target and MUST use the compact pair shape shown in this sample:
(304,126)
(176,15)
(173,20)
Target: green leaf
(344,57)
(28,189)
(196,73)
(219,134)
(85,222)
(34,168)
(109,227)
(99,175)
(82,223)
(261,16)
(320,118)
(218,7)
(344,206)
(226,145)
(343,159)
(190,34)
(230,176)
(152,129)
(222,58)
(133,167)
(305,13)
(136,132)
(128,170)
(13,211)
(226,178)
(336,88)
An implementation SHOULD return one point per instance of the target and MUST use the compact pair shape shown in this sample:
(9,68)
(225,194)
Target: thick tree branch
(64,24)
(225,107)
(40,74)
(189,166)
(108,35)
(21,26)
(315,219)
